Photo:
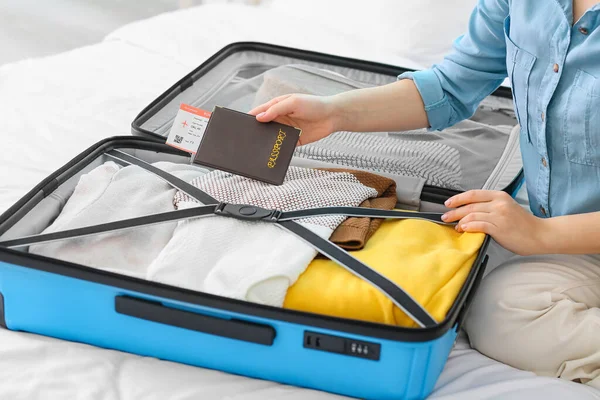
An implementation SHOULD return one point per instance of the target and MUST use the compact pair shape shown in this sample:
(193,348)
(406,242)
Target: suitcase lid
(481,152)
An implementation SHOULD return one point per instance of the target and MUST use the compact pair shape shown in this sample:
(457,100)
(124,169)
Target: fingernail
(444,217)
(262,114)
(447,203)
(463,226)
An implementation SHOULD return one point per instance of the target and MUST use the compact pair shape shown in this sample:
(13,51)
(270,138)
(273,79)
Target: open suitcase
(74,302)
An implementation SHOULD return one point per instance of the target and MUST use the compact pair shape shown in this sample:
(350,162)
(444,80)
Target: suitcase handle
(230,328)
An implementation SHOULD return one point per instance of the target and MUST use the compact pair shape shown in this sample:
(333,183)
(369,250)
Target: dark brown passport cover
(236,142)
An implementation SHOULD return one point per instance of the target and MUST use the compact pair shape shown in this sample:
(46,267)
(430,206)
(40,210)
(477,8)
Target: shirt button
(544,163)
(543,210)
(543,116)
(555,67)
(583,31)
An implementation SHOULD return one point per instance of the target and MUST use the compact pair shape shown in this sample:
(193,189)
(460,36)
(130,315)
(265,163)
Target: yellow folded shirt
(429,261)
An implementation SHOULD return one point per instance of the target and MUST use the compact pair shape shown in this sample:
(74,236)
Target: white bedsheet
(53,108)
(40,368)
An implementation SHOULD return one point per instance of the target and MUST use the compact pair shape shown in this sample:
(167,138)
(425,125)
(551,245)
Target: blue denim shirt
(553,64)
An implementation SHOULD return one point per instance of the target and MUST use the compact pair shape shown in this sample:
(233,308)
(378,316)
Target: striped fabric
(303,188)
(435,162)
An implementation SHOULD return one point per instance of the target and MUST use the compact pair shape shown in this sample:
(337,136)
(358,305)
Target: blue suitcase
(349,357)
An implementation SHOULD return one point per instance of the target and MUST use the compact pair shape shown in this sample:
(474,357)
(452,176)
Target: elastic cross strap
(124,224)
(247,212)
(238,211)
(362,212)
(391,290)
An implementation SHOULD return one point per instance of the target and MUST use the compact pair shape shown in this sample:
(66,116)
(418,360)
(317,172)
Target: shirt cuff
(437,106)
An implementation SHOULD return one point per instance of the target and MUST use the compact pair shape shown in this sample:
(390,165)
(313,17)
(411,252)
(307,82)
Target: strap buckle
(247,212)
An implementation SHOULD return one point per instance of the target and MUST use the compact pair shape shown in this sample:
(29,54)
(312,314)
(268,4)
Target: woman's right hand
(313,114)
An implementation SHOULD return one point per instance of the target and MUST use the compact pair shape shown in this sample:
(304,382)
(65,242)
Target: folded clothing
(438,164)
(112,193)
(354,232)
(255,261)
(259,261)
(429,261)
(450,159)
(302,188)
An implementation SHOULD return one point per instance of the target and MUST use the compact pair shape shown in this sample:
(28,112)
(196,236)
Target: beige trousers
(541,314)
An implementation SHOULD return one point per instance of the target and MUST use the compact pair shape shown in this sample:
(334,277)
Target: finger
(462,212)
(479,227)
(279,109)
(472,196)
(472,218)
(264,107)
(476,216)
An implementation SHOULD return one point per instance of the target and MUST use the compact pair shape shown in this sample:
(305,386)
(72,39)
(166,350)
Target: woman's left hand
(500,216)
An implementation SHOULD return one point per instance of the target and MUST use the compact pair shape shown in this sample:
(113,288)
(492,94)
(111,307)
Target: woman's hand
(313,114)
(397,106)
(500,216)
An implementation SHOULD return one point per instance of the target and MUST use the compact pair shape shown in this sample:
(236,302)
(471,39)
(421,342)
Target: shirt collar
(567,7)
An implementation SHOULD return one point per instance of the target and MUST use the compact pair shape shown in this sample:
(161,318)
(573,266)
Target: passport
(236,142)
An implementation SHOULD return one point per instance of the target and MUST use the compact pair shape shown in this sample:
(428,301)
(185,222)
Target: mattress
(52,108)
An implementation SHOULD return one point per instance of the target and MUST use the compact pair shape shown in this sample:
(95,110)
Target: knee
(526,315)
(499,314)
(488,312)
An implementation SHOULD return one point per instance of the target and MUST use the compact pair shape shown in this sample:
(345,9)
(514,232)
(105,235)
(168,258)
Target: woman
(540,311)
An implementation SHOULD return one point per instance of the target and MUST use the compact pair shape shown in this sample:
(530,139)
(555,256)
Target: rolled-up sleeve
(453,89)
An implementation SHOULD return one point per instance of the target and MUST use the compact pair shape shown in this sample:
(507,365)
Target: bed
(54,107)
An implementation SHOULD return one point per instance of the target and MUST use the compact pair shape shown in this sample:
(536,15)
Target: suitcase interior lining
(236,81)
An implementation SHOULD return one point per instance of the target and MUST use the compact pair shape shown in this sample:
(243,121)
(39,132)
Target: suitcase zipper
(507,156)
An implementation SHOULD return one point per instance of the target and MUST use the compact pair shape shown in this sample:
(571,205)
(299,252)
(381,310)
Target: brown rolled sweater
(354,232)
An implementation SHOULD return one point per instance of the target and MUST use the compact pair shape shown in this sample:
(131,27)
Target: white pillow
(421,30)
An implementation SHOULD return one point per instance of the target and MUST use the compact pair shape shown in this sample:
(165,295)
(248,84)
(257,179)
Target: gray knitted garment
(436,163)
(302,188)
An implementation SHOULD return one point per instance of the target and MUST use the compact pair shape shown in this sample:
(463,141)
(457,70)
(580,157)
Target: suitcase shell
(82,304)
